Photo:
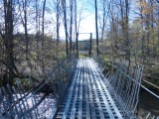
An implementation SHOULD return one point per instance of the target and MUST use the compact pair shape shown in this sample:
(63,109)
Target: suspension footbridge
(88,94)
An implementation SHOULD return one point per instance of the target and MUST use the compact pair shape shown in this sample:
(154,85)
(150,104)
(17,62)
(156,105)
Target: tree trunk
(71,23)
(43,28)
(76,29)
(65,25)
(8,40)
(96,22)
(25,28)
(57,25)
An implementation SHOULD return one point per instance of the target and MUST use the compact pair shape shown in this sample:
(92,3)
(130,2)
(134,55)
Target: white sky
(87,24)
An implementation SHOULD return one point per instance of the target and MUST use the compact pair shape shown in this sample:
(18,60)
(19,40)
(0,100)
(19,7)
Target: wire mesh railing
(17,102)
(146,108)
(125,84)
(151,116)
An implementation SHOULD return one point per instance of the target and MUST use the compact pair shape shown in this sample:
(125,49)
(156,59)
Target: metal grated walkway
(87,96)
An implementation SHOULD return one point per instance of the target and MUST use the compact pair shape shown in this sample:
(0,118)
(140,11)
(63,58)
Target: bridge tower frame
(77,45)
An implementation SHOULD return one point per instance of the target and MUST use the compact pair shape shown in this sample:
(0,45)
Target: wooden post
(90,48)
(77,45)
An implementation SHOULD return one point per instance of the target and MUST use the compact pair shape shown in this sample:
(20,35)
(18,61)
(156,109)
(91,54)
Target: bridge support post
(90,49)
(77,51)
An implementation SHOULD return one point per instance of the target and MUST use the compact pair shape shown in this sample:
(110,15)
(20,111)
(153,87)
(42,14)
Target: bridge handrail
(125,86)
(14,99)
(142,86)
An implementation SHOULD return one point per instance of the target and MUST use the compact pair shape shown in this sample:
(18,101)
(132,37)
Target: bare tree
(37,27)
(43,33)
(96,23)
(76,27)
(9,61)
(105,10)
(65,25)
(25,24)
(71,24)
(58,11)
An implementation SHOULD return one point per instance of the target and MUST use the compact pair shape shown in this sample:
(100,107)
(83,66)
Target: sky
(87,24)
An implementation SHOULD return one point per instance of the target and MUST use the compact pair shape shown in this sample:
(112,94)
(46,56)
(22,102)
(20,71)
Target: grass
(83,56)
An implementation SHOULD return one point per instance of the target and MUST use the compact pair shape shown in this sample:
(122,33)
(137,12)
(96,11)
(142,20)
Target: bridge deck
(87,96)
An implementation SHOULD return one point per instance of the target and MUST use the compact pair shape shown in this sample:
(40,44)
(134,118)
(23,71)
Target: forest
(36,36)
(134,35)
